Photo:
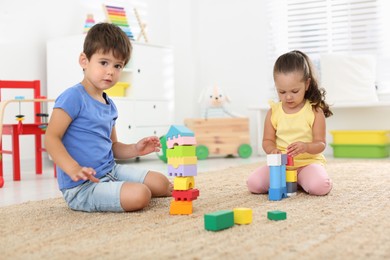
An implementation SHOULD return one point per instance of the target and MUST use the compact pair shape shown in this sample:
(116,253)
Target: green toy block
(276,215)
(182,151)
(219,220)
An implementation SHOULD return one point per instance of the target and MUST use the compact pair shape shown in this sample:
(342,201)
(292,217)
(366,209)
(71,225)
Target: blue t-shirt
(87,138)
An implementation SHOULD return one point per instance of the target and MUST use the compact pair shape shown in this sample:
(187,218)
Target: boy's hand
(85,173)
(148,145)
(296,148)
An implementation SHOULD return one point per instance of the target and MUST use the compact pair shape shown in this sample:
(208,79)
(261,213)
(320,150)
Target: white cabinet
(138,119)
(148,105)
(152,70)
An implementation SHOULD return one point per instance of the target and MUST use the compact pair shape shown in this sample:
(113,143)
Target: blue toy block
(284,158)
(275,177)
(276,194)
(278,182)
(176,130)
(283,180)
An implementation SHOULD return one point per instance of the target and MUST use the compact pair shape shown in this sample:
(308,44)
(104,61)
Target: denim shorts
(104,195)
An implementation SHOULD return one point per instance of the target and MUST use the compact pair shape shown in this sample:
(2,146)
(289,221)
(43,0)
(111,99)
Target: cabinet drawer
(154,113)
(146,131)
(153,76)
(150,130)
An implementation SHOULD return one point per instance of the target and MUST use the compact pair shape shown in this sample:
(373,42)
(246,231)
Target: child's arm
(319,138)
(59,122)
(269,136)
(126,151)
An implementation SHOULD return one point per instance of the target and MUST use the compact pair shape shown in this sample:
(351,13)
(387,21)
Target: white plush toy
(214,103)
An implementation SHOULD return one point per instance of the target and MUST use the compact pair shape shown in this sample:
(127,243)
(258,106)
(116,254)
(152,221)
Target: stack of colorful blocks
(182,165)
(283,182)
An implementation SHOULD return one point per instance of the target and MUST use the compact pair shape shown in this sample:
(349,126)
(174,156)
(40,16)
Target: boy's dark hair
(299,61)
(107,37)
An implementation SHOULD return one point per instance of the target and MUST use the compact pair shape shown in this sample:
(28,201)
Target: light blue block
(275,194)
(275,177)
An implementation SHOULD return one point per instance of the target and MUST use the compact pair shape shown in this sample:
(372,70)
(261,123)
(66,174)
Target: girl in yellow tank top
(296,125)
(291,128)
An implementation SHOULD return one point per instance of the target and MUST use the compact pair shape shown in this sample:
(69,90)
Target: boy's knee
(158,184)
(165,188)
(135,197)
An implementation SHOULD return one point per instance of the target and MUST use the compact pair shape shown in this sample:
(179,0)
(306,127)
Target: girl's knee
(258,181)
(320,187)
(314,179)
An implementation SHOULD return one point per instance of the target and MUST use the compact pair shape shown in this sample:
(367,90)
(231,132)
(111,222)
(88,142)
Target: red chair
(15,130)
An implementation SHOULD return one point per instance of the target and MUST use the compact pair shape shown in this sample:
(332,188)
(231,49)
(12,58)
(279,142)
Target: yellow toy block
(242,216)
(291,176)
(177,161)
(183,183)
(180,207)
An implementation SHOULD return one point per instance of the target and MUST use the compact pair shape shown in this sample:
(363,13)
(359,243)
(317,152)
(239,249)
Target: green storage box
(360,150)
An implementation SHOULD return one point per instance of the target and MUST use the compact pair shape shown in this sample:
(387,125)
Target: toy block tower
(182,164)
(291,178)
(277,170)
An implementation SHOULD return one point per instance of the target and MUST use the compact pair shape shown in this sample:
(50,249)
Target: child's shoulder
(274,104)
(75,91)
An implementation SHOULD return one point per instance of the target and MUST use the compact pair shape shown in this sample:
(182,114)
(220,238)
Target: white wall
(220,42)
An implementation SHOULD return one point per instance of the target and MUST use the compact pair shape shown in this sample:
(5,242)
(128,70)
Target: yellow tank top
(295,127)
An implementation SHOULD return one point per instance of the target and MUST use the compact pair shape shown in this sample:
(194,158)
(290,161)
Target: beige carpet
(352,222)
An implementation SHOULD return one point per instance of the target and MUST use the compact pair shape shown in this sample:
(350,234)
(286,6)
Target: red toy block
(185,195)
(290,160)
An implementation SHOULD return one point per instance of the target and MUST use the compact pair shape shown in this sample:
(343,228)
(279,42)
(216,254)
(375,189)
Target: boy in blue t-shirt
(82,140)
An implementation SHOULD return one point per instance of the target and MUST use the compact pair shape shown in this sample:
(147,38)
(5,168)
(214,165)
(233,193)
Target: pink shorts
(313,179)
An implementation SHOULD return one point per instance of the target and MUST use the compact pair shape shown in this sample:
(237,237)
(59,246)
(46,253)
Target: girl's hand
(296,148)
(85,173)
(148,145)
(275,151)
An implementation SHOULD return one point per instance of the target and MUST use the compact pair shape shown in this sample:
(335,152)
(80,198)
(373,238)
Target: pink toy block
(181,140)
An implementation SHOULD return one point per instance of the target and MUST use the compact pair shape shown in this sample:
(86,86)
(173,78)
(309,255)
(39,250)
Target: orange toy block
(180,207)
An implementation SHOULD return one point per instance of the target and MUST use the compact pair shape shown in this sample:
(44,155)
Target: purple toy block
(183,170)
